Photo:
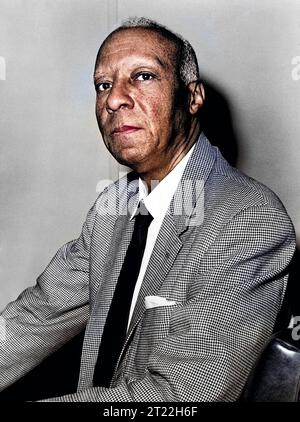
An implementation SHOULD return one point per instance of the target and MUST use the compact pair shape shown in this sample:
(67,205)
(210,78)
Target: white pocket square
(156,301)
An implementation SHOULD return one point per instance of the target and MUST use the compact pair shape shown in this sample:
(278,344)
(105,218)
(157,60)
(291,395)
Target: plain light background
(52,156)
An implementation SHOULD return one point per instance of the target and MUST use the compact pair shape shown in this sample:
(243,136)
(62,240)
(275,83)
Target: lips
(124,129)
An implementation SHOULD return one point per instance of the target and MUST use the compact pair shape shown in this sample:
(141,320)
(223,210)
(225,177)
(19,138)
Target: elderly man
(181,266)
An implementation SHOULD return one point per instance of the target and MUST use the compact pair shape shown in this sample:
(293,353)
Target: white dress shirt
(157,203)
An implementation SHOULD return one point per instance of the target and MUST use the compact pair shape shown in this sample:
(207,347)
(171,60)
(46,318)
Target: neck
(173,156)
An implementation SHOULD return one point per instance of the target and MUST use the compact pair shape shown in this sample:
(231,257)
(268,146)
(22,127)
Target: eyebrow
(162,64)
(141,62)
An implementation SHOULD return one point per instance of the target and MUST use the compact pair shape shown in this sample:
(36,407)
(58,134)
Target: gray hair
(187,60)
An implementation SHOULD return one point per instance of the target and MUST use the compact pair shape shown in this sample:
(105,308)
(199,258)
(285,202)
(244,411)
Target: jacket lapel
(166,248)
(107,256)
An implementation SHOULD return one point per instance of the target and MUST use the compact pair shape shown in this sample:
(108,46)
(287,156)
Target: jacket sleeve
(47,315)
(215,337)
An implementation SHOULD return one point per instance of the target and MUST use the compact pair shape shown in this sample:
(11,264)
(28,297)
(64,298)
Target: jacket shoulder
(240,189)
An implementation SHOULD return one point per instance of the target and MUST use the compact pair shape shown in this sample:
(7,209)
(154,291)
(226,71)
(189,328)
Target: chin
(124,161)
(132,160)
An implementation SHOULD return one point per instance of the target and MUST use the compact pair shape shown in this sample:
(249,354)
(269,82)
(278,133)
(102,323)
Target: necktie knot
(143,216)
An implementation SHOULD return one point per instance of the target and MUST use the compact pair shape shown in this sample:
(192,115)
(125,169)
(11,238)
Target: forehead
(137,42)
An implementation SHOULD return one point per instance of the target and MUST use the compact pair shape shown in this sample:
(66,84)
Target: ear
(196,96)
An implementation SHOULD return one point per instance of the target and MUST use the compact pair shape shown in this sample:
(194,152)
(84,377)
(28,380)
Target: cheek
(99,108)
(158,111)
(101,117)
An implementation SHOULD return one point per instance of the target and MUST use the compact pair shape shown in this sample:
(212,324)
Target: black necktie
(117,319)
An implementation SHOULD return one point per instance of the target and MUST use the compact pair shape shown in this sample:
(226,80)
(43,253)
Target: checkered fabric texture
(227,276)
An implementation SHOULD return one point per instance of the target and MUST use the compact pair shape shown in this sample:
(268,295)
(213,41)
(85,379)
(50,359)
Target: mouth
(125,129)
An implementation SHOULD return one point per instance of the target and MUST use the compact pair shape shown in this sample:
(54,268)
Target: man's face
(136,87)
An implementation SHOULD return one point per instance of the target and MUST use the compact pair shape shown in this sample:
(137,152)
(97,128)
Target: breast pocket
(154,328)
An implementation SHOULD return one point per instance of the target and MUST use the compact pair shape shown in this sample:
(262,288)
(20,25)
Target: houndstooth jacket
(222,261)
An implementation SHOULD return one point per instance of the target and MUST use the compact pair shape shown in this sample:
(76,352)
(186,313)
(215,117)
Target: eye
(103,86)
(144,76)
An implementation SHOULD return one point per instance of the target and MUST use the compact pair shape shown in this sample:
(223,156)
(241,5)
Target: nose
(119,97)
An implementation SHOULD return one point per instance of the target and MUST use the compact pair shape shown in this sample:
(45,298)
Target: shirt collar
(158,200)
